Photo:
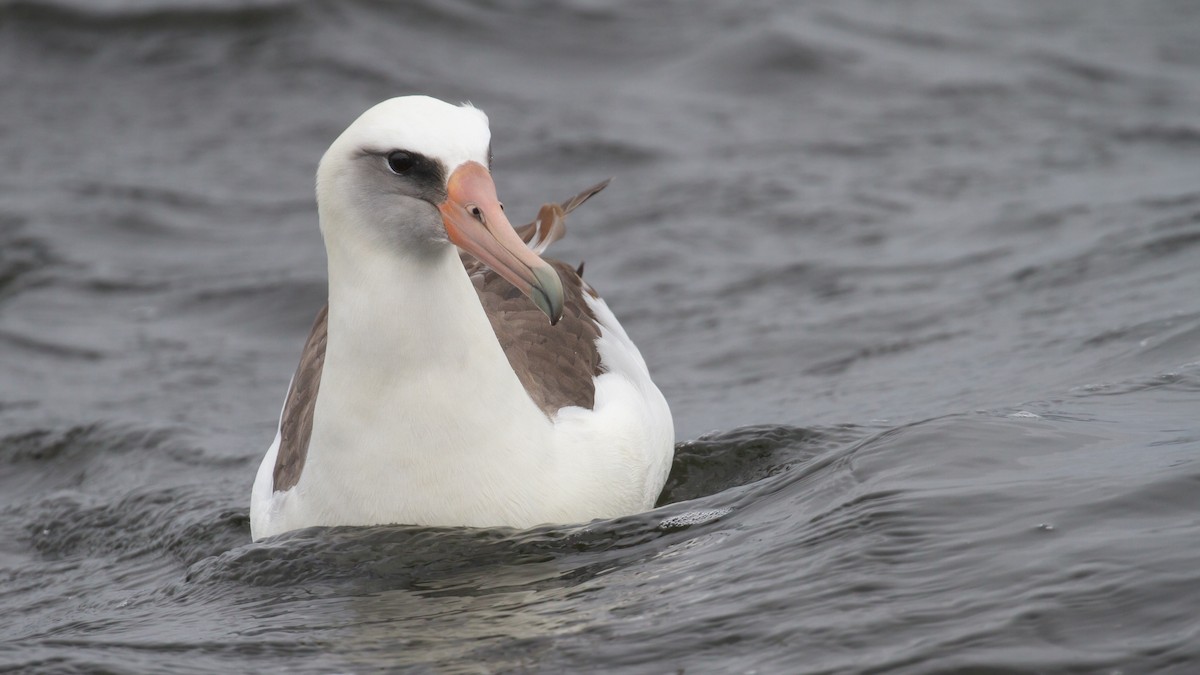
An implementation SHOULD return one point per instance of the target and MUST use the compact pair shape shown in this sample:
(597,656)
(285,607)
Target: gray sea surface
(919,278)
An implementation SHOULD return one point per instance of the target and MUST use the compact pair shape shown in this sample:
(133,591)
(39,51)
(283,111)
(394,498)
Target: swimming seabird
(455,377)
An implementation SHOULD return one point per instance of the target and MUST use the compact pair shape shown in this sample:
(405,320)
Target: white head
(410,176)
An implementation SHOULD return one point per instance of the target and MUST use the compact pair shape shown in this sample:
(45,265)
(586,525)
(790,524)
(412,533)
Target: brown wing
(556,364)
(295,425)
(549,227)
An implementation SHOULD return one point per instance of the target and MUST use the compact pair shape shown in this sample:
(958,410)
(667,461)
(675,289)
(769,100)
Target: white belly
(420,454)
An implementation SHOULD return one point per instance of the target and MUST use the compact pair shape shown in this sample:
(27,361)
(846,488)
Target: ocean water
(920,280)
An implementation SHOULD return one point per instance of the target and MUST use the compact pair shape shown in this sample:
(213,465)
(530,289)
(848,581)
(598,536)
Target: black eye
(401,161)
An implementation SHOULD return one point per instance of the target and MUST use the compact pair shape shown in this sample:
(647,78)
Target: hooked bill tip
(548,293)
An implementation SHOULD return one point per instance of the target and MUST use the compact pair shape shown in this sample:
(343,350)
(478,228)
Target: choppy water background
(921,279)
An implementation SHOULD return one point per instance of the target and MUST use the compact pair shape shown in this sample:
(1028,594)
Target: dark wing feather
(556,364)
(587,193)
(549,227)
(295,425)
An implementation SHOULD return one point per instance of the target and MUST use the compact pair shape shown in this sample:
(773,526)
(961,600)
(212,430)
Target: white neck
(417,396)
(393,318)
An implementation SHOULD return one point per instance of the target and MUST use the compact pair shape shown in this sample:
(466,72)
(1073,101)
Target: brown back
(556,364)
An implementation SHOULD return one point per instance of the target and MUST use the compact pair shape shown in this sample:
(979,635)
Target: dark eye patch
(427,176)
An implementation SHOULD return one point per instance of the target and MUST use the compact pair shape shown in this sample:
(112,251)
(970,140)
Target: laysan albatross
(455,377)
